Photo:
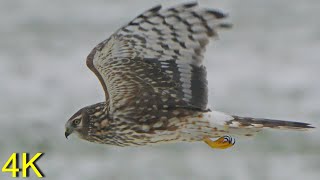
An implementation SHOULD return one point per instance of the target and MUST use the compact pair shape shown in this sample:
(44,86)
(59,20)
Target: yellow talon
(223,142)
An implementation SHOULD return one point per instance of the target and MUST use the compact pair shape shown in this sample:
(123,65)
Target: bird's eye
(76,122)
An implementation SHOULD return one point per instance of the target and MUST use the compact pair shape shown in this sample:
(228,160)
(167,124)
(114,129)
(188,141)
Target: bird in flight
(155,84)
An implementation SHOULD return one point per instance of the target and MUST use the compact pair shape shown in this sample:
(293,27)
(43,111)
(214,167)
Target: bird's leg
(223,142)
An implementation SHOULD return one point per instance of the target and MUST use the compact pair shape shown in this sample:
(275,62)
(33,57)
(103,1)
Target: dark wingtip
(155,8)
(301,125)
(310,126)
(190,4)
(225,25)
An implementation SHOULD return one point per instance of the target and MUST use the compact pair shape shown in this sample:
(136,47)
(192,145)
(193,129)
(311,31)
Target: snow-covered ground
(268,65)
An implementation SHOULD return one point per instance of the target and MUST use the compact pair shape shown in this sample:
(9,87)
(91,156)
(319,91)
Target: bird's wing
(156,61)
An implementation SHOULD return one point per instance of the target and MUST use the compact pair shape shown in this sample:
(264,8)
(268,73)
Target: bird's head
(80,122)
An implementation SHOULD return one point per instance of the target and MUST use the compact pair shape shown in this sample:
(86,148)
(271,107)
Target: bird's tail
(215,124)
(224,124)
(249,122)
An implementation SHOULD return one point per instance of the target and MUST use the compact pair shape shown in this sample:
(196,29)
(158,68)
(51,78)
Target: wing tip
(217,13)
(310,126)
(301,125)
(155,8)
(190,4)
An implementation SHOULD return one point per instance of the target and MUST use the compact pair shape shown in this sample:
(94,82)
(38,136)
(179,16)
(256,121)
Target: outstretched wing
(155,61)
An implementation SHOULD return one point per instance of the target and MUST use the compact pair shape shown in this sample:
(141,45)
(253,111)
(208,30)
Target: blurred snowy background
(268,65)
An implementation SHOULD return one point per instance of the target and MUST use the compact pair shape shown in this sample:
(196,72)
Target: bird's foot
(223,142)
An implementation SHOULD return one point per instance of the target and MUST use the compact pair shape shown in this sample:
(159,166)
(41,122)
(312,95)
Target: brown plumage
(155,82)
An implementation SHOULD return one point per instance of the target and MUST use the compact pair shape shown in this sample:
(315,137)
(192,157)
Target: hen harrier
(155,84)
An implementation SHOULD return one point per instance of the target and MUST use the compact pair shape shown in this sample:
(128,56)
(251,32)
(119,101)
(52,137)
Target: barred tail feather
(248,122)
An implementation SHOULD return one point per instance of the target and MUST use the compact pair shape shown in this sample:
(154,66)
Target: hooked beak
(67,132)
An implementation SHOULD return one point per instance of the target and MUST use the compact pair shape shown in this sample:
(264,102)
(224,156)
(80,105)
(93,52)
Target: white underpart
(218,118)
(257,125)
